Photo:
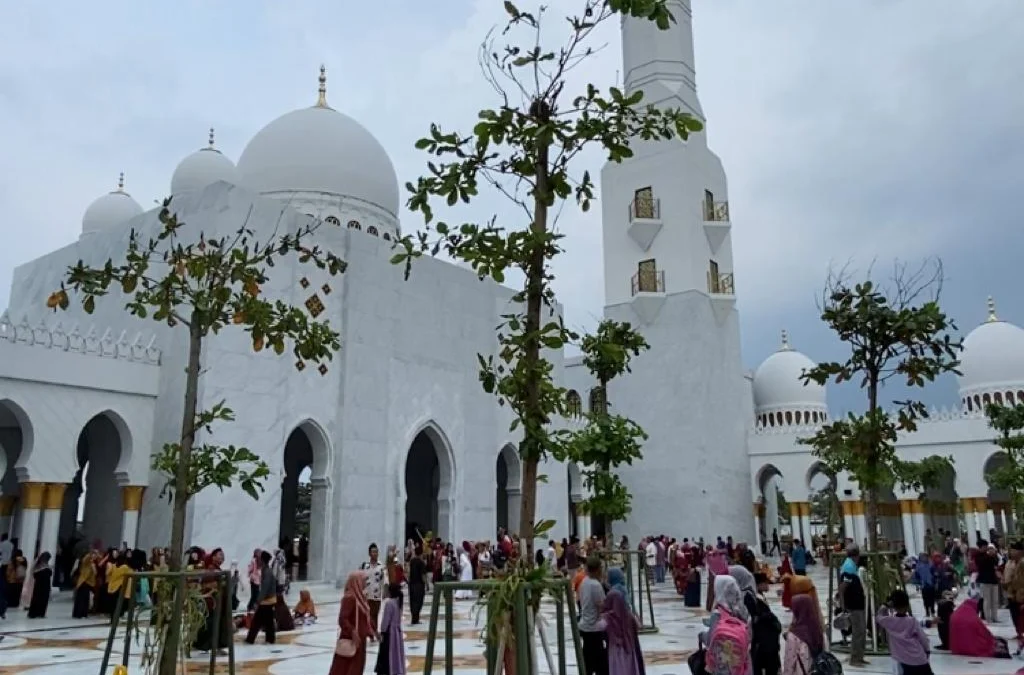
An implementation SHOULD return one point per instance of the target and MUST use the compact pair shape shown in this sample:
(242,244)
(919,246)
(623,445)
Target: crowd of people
(743,637)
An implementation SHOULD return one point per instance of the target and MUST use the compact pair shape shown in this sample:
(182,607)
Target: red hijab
(968,635)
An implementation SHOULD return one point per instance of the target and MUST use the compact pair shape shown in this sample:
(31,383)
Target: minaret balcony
(644,220)
(648,294)
(716,212)
(721,284)
(716,224)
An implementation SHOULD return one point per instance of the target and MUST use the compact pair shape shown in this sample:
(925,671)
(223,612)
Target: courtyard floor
(62,646)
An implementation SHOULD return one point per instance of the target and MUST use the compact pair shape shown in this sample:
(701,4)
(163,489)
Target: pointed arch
(305,513)
(442,496)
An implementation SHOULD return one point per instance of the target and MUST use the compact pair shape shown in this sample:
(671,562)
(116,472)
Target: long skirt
(83,598)
(285,620)
(692,596)
(710,602)
(383,666)
(350,665)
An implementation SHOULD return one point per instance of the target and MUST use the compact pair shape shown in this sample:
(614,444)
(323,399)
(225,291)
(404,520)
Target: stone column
(910,537)
(860,525)
(794,520)
(805,523)
(515,502)
(131,500)
(53,502)
(1011,524)
(320,528)
(970,522)
(758,524)
(7,505)
(32,495)
(848,530)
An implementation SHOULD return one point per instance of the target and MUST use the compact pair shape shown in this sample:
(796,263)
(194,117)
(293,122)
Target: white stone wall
(688,393)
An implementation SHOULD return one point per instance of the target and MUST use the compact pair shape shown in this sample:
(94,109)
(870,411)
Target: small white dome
(777,383)
(993,356)
(320,150)
(201,168)
(110,210)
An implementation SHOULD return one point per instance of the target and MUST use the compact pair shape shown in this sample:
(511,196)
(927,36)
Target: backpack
(728,650)
(826,663)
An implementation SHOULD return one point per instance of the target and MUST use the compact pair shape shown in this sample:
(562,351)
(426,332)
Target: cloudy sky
(849,130)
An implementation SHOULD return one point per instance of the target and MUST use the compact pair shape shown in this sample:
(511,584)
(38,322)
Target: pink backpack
(729,646)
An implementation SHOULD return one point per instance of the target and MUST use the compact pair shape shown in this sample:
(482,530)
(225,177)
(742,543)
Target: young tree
(1008,422)
(608,441)
(202,283)
(895,333)
(525,149)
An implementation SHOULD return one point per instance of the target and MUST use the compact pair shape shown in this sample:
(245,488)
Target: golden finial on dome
(785,341)
(120,182)
(211,138)
(321,101)
(992,310)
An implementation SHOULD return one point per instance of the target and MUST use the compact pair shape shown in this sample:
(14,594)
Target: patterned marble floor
(62,646)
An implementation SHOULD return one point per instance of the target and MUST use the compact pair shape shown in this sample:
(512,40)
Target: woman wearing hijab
(969,636)
(717,565)
(748,587)
(391,654)
(85,586)
(356,625)
(42,580)
(924,577)
(805,638)
(621,625)
(17,576)
(305,610)
(721,658)
(801,585)
(252,572)
(765,628)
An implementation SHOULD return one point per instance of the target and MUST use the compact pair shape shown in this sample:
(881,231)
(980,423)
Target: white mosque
(395,432)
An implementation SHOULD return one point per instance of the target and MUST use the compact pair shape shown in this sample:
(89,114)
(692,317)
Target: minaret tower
(668,270)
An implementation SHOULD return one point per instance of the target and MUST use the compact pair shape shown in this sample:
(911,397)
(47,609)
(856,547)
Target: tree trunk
(531,448)
(181,497)
(871,518)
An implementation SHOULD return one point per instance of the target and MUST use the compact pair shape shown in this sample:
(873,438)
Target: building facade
(992,367)
(395,434)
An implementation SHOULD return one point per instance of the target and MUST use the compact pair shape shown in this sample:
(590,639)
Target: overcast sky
(848,130)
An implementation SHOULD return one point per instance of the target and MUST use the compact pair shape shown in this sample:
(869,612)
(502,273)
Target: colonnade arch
(303,525)
(92,511)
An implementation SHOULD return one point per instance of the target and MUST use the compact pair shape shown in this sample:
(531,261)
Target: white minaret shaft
(660,62)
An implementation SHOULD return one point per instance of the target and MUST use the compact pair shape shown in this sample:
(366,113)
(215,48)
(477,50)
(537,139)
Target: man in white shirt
(651,558)
(550,554)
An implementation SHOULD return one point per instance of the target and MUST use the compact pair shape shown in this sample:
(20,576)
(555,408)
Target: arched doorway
(940,508)
(508,492)
(15,439)
(93,509)
(429,479)
(302,524)
(777,517)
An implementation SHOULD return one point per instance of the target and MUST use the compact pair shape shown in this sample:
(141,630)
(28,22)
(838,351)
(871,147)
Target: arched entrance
(777,518)
(508,495)
(428,480)
(940,507)
(825,515)
(302,524)
(15,439)
(93,509)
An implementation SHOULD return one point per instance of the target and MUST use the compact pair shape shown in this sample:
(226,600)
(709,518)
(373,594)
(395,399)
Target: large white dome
(777,383)
(202,168)
(110,210)
(993,356)
(320,150)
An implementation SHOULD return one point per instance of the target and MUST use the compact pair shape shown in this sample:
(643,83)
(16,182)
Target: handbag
(346,647)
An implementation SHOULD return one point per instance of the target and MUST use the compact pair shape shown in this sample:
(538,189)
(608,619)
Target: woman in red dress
(356,624)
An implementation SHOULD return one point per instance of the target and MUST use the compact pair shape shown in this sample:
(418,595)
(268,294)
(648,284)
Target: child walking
(908,644)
